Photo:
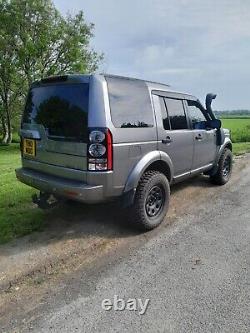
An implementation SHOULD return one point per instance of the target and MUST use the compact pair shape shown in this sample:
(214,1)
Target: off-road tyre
(152,197)
(224,170)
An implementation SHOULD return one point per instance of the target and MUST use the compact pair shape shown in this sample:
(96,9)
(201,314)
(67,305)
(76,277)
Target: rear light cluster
(100,150)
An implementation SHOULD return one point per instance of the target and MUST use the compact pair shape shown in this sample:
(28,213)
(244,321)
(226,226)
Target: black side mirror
(215,123)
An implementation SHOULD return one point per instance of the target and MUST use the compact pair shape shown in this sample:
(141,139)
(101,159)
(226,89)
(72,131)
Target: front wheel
(151,200)
(224,170)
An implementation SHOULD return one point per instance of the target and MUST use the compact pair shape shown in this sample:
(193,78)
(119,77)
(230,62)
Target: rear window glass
(130,103)
(176,114)
(61,109)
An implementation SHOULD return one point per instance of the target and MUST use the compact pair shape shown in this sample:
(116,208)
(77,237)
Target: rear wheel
(224,170)
(151,200)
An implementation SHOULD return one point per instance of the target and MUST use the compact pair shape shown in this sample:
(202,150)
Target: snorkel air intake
(216,123)
(209,99)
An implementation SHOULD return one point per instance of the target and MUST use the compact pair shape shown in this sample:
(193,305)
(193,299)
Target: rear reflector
(109,141)
(71,193)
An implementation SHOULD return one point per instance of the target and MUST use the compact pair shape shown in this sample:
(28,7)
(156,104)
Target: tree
(37,41)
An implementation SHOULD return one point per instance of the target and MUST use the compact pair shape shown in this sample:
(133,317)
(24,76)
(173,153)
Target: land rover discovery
(95,138)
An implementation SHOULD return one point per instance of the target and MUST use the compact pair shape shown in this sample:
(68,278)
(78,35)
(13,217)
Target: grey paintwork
(61,168)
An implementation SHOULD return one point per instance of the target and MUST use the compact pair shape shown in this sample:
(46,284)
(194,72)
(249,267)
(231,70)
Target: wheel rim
(226,167)
(154,201)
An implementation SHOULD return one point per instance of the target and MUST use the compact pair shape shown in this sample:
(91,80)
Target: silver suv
(94,138)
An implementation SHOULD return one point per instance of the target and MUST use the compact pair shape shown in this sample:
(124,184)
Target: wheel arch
(227,144)
(154,160)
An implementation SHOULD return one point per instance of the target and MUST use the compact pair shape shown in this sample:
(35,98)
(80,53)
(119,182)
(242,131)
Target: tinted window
(61,109)
(130,103)
(164,114)
(176,114)
(195,114)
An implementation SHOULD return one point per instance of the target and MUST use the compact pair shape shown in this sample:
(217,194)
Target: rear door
(56,115)
(174,135)
(204,138)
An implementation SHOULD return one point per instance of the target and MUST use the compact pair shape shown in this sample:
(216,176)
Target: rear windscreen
(61,109)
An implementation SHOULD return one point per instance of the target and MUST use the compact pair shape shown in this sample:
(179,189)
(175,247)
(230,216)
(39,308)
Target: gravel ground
(194,270)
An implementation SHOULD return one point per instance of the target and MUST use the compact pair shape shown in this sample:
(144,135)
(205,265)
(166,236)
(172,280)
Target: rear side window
(164,114)
(176,114)
(130,103)
(61,109)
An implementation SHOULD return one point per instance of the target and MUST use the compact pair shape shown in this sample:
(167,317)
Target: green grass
(241,148)
(15,137)
(240,128)
(18,216)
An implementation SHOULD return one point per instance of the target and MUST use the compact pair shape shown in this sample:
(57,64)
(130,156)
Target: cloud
(194,45)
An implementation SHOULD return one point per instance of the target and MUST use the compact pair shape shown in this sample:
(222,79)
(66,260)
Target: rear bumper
(61,187)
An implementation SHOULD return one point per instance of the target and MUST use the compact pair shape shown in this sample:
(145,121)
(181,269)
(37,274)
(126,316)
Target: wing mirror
(215,123)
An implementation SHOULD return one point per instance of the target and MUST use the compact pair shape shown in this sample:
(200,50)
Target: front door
(204,139)
(174,136)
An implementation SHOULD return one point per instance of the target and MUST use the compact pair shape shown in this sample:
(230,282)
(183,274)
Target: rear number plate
(29,147)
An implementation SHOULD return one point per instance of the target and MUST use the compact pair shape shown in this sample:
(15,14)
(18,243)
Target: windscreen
(62,109)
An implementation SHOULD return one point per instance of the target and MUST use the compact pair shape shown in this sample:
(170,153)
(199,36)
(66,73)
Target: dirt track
(40,262)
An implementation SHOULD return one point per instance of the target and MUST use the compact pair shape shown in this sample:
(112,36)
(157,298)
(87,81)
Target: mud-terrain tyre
(151,201)
(224,170)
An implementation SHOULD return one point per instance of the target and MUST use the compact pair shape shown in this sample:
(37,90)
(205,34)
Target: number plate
(29,147)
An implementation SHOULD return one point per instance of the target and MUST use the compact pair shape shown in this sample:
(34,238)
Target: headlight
(97,150)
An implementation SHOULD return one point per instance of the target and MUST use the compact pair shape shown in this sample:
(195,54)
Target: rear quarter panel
(129,146)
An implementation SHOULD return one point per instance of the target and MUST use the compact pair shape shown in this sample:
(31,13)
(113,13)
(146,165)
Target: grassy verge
(239,127)
(240,148)
(18,216)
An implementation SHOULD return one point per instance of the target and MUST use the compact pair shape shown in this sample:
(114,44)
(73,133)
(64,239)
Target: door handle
(167,140)
(198,137)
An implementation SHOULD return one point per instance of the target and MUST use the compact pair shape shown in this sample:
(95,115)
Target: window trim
(166,110)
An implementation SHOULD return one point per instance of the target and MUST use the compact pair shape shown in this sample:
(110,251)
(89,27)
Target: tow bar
(44,200)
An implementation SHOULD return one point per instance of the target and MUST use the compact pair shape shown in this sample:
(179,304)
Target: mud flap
(127,199)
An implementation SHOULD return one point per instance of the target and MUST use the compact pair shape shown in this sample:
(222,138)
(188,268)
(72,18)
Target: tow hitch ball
(44,200)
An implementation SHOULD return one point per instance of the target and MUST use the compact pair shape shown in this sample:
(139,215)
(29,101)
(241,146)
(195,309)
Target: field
(239,127)
(18,216)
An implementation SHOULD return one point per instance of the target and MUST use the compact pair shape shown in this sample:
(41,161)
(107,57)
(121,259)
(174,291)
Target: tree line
(37,41)
(233,113)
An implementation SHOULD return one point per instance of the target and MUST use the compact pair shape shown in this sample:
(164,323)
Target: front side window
(195,114)
(176,114)
(130,104)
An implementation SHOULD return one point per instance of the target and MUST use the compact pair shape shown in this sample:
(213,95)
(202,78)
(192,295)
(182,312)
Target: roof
(82,78)
(151,84)
(133,79)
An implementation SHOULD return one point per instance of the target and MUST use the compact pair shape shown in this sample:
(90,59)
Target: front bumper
(61,187)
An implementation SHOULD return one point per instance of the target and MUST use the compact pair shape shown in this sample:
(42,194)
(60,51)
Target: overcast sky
(197,46)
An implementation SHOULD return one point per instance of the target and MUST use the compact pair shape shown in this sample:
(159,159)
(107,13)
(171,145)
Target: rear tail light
(100,150)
